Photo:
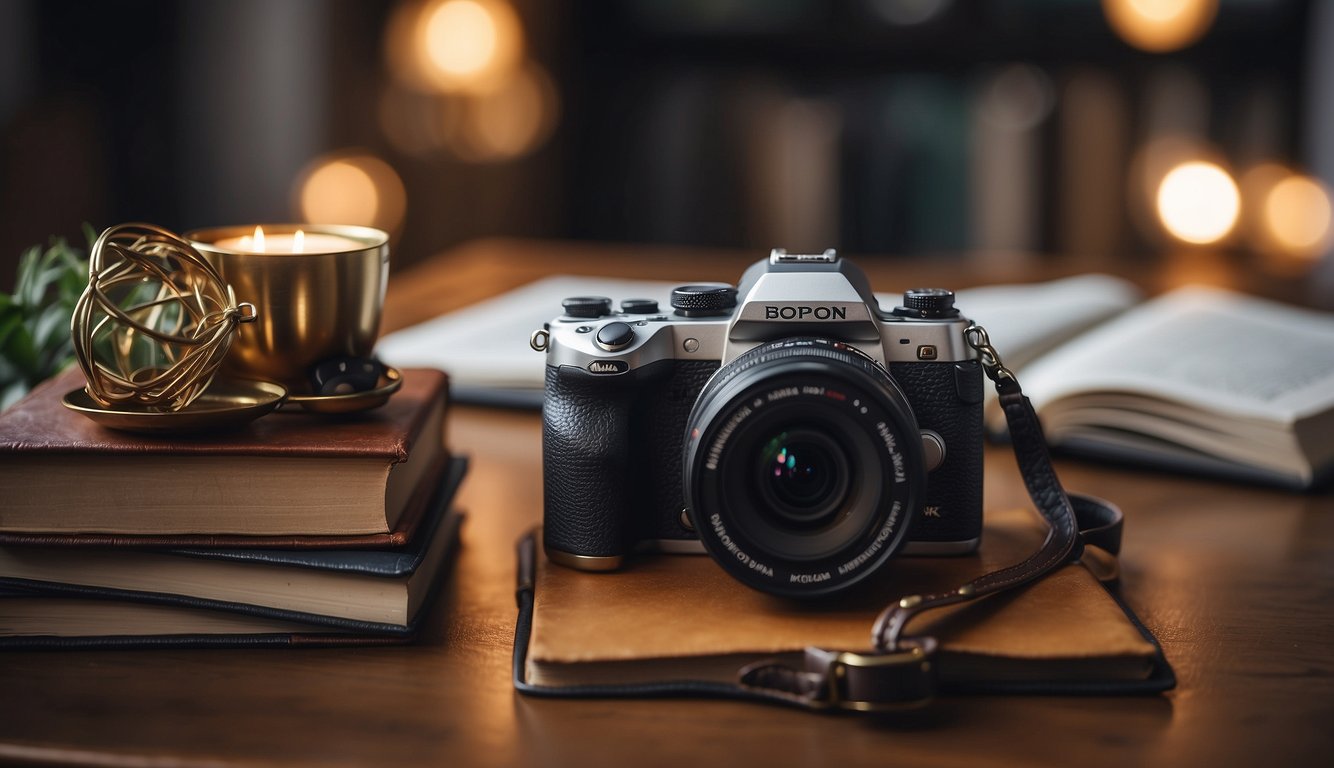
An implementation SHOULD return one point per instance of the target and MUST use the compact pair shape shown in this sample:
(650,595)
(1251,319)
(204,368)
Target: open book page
(1219,351)
(1198,373)
(485,347)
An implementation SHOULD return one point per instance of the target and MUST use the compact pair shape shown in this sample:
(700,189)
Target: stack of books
(296,529)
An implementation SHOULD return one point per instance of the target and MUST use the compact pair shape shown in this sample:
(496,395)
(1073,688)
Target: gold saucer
(388,384)
(226,403)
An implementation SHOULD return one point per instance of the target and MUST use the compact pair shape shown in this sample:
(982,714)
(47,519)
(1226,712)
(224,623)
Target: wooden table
(1237,582)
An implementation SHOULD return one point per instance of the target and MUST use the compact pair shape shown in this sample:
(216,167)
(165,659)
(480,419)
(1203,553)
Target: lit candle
(297,242)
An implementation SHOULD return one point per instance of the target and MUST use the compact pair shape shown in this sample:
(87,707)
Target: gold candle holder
(320,294)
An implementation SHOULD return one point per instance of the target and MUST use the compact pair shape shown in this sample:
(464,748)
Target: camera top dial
(927,303)
(704,299)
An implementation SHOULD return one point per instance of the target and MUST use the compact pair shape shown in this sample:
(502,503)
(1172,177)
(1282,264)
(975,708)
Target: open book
(1198,380)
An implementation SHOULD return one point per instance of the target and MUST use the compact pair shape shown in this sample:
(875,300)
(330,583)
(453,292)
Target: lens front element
(803,475)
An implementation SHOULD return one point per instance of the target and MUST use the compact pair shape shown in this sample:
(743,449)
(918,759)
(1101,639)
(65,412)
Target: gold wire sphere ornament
(155,321)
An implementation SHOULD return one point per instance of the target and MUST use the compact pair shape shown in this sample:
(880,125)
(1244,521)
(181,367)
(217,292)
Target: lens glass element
(804,477)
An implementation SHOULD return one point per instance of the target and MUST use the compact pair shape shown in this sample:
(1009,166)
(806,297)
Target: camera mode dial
(927,303)
(703,299)
(586,306)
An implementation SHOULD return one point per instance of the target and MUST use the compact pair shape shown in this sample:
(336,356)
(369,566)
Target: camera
(789,426)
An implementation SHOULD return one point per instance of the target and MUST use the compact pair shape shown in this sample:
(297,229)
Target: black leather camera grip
(947,399)
(587,477)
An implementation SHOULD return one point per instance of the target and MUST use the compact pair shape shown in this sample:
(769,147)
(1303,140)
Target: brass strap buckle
(879,682)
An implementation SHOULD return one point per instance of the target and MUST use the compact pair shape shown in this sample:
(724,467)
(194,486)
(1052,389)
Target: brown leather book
(285,480)
(673,618)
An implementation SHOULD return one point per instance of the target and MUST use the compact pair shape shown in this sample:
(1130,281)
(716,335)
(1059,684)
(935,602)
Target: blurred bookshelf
(876,126)
(913,126)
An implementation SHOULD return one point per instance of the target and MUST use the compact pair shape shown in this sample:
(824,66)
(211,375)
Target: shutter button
(614,336)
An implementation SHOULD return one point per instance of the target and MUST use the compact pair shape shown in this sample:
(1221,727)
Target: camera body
(791,427)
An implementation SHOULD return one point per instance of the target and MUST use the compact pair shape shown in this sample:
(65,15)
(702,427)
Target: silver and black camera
(796,430)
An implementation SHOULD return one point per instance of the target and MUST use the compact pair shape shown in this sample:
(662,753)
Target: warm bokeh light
(460,37)
(463,84)
(453,46)
(351,188)
(1149,165)
(339,192)
(1297,215)
(502,124)
(1160,26)
(1288,217)
(508,122)
(1198,202)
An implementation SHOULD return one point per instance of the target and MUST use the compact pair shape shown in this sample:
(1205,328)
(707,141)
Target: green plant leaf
(52,322)
(11,318)
(18,347)
(73,252)
(28,265)
(73,282)
(45,278)
(34,322)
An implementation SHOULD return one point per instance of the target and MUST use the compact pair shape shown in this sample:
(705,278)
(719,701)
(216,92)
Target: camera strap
(900,670)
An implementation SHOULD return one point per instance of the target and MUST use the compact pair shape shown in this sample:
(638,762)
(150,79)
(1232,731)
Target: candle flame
(259,239)
(299,242)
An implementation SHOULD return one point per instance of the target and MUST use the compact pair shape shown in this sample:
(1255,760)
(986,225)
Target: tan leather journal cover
(680,617)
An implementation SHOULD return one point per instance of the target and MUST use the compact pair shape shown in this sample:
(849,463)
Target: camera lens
(803,468)
(803,476)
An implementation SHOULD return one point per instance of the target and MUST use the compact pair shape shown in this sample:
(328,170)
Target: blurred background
(1076,129)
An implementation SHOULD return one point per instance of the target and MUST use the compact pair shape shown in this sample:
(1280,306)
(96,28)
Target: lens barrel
(803,467)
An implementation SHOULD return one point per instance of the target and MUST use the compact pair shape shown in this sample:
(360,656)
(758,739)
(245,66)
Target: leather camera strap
(900,671)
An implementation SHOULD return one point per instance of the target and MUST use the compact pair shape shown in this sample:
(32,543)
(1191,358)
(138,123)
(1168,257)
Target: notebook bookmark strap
(900,671)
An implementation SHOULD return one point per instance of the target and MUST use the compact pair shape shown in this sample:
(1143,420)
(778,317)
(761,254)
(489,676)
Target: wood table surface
(1236,581)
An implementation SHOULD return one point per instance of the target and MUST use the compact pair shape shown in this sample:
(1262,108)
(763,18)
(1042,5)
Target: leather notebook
(678,624)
